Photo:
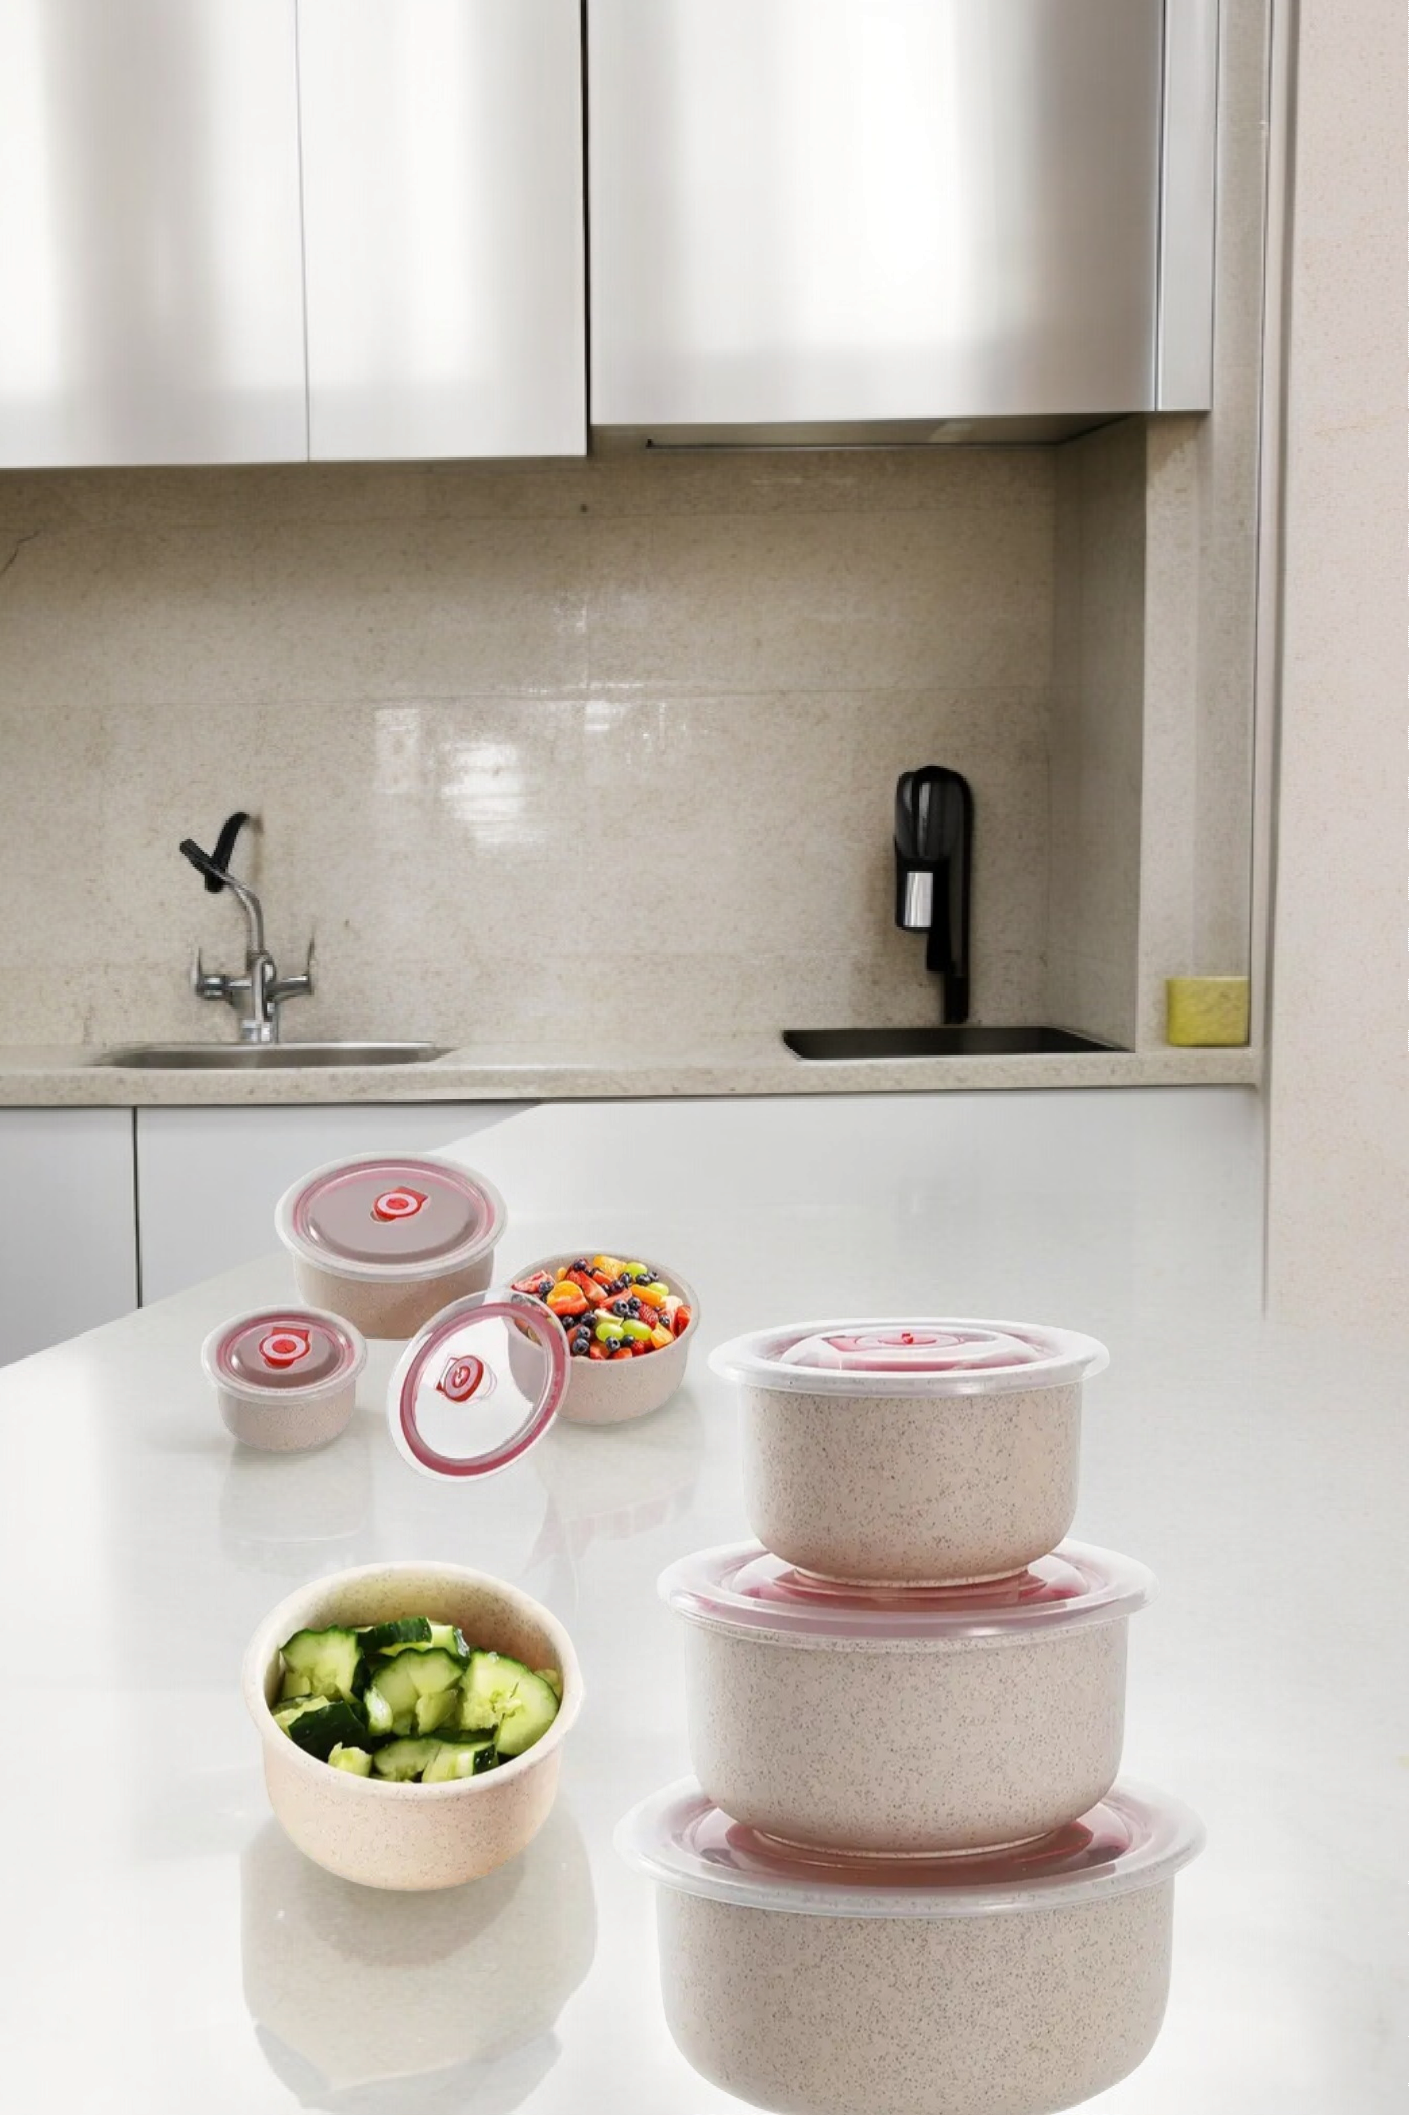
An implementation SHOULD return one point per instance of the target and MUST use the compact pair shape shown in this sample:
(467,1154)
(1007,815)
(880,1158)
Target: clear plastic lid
(285,1350)
(743,1589)
(391,1216)
(909,1355)
(1135,1838)
(479,1385)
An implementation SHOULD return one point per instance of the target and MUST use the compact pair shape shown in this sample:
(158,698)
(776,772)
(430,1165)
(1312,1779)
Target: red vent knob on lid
(398,1204)
(284,1347)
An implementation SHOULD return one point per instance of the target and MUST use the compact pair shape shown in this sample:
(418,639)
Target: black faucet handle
(214,866)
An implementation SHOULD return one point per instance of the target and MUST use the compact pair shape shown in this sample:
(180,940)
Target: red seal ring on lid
(398,1204)
(458,1382)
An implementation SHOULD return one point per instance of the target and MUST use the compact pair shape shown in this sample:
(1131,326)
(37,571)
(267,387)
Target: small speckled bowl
(285,1378)
(910,1452)
(919,1722)
(387,1240)
(610,1391)
(1007,1986)
(411,1836)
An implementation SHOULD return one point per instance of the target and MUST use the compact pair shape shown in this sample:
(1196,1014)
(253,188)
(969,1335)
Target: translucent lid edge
(1076,1357)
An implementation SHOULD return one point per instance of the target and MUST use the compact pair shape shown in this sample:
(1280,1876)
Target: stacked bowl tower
(905,1879)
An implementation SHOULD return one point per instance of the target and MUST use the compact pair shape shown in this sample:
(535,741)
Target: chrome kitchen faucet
(261,991)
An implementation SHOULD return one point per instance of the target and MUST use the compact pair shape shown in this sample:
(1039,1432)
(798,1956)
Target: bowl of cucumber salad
(412,1718)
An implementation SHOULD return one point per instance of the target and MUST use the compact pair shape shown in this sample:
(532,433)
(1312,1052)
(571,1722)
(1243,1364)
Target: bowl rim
(672,1278)
(275,1627)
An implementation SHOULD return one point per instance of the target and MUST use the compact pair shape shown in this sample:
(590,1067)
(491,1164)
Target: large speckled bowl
(409,1835)
(1004,1987)
(610,1391)
(925,1722)
(910,1452)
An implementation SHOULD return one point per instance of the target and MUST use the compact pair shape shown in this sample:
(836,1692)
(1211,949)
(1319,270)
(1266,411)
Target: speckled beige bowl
(822,1992)
(610,1391)
(860,1722)
(913,1479)
(408,1835)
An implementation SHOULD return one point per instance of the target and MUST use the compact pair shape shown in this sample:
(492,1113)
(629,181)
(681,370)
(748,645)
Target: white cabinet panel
(839,210)
(443,236)
(208,1179)
(68,1235)
(151,296)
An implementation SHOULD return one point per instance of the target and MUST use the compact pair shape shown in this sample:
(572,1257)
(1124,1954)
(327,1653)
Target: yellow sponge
(1206,1012)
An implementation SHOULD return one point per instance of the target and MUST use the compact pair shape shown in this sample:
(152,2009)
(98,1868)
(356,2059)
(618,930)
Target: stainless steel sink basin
(261,1057)
(969,1041)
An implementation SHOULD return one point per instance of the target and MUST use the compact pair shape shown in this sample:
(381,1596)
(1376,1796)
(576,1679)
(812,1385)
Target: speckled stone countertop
(66,1077)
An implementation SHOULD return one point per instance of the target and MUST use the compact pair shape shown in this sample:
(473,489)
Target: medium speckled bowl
(910,1452)
(610,1391)
(409,1835)
(285,1378)
(905,1723)
(388,1240)
(1011,1986)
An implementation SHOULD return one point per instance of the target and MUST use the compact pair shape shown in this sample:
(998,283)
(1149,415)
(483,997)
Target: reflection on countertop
(393,2004)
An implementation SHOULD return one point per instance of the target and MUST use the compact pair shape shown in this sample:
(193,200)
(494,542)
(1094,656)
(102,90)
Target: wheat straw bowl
(923,1722)
(910,1451)
(1009,1986)
(388,1240)
(412,1836)
(611,1391)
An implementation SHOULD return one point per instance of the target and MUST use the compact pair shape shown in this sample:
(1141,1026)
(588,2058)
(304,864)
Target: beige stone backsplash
(539,750)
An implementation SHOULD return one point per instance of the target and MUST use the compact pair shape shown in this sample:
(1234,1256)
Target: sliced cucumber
(285,1714)
(406,1630)
(460,1758)
(401,1760)
(551,1676)
(437,1710)
(403,1680)
(356,1761)
(323,1663)
(440,1637)
(504,1694)
(324,1726)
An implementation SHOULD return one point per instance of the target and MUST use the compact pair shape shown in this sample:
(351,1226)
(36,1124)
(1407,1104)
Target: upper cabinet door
(151,297)
(443,227)
(839,210)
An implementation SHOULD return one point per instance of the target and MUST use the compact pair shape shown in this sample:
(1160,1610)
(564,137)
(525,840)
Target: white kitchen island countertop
(164,1949)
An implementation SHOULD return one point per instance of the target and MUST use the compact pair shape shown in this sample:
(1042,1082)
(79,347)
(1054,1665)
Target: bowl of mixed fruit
(628,1323)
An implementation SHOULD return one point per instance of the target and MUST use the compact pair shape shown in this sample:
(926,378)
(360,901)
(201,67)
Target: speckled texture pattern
(287,1424)
(388,1307)
(950,1748)
(1016,2014)
(610,1392)
(409,1836)
(911,1489)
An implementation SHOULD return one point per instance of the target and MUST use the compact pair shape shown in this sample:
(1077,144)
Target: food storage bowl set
(403,1247)
(905,1879)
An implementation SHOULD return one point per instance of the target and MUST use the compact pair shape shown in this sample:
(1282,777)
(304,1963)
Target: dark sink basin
(851,1043)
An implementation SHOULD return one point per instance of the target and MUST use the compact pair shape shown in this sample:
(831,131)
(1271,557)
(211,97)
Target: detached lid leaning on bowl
(909,1355)
(743,1589)
(1135,1838)
(479,1385)
(381,1216)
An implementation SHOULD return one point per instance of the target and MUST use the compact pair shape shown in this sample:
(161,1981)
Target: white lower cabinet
(68,1232)
(208,1179)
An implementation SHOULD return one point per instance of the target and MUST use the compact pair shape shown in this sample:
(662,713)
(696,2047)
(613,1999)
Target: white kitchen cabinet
(68,1232)
(151,278)
(208,1179)
(443,232)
